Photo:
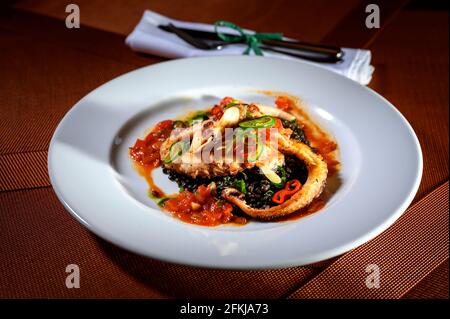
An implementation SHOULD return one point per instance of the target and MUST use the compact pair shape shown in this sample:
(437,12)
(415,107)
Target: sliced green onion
(176,150)
(212,187)
(254,156)
(282,172)
(162,201)
(247,133)
(179,124)
(243,132)
(262,122)
(271,175)
(241,186)
(234,103)
(199,116)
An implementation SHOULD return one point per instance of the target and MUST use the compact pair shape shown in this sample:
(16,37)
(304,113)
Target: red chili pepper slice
(291,187)
(279,197)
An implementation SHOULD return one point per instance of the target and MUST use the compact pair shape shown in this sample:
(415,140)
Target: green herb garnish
(179,124)
(234,103)
(241,186)
(262,122)
(199,116)
(176,150)
(282,173)
(162,201)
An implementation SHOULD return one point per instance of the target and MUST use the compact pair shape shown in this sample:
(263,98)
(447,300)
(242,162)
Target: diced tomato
(225,101)
(249,164)
(217,112)
(216,109)
(139,143)
(201,208)
(253,108)
(164,125)
(146,152)
(202,194)
(283,103)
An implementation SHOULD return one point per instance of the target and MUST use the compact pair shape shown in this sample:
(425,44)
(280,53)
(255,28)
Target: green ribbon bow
(253,40)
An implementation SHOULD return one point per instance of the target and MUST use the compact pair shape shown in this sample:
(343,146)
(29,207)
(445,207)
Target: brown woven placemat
(38,234)
(39,238)
(33,168)
(404,254)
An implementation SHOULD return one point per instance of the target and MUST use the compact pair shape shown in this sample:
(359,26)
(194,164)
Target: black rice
(258,189)
(297,131)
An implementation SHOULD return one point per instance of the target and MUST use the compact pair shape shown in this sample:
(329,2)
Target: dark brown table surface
(46,68)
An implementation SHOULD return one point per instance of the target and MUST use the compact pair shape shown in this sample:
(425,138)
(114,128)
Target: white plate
(93,177)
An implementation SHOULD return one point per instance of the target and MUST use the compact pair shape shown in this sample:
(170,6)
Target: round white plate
(93,177)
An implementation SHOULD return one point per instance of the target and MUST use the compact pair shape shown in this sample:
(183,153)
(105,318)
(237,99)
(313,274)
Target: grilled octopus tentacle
(313,187)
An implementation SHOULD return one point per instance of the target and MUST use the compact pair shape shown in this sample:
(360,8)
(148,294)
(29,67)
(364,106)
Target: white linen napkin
(148,38)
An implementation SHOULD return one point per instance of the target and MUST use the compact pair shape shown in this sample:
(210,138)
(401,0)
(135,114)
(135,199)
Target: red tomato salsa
(146,152)
(283,103)
(201,208)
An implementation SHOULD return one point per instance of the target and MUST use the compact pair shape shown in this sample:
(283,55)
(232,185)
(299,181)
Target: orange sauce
(315,206)
(146,172)
(322,142)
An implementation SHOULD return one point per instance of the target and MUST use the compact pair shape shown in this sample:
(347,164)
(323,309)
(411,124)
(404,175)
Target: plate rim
(336,251)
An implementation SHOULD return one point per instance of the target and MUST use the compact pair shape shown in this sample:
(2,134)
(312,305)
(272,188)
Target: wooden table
(45,68)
